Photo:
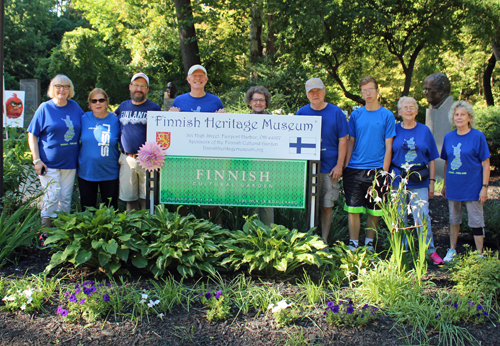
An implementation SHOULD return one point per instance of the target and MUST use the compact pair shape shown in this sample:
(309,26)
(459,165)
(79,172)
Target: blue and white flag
(302,145)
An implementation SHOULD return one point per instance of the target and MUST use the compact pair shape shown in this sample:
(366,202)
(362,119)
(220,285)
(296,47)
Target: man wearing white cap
(334,130)
(133,119)
(198,100)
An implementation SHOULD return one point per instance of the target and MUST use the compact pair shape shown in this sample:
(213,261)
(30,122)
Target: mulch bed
(192,328)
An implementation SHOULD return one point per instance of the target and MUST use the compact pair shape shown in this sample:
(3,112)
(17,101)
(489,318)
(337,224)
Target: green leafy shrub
(18,229)
(347,314)
(475,274)
(29,294)
(349,264)
(273,249)
(99,238)
(488,122)
(185,241)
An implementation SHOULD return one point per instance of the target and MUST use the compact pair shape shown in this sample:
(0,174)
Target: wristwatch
(485,185)
(36,161)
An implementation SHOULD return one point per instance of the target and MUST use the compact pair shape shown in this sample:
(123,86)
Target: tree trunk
(488,95)
(256,46)
(187,34)
(271,38)
(496,49)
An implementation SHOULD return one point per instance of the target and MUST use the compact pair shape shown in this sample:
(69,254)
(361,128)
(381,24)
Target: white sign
(13,108)
(236,135)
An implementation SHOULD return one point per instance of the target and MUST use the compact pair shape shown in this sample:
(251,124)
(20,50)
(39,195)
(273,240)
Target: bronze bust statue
(437,89)
(171,90)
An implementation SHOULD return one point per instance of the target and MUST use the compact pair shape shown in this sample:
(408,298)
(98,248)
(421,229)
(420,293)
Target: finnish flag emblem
(302,145)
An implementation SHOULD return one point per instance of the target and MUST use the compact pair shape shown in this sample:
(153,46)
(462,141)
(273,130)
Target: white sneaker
(369,246)
(449,255)
(352,246)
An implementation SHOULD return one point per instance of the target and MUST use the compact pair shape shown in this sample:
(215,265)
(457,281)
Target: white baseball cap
(314,83)
(140,75)
(195,68)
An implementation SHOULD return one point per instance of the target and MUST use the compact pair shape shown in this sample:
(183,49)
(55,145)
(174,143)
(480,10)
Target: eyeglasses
(59,87)
(138,86)
(368,91)
(411,108)
(98,100)
(259,100)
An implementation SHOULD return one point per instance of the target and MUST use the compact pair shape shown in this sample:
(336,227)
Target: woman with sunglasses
(414,144)
(53,137)
(98,167)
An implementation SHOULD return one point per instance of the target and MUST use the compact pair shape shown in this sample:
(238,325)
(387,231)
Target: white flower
(28,292)
(153,303)
(392,174)
(30,299)
(378,199)
(160,315)
(404,181)
(270,306)
(421,203)
(280,306)
(407,166)
(409,209)
(144,296)
(23,306)
(142,301)
(9,299)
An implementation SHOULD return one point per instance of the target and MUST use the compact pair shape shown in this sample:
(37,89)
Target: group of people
(101,147)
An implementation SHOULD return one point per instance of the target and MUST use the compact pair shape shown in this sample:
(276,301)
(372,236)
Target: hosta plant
(101,238)
(273,249)
(184,241)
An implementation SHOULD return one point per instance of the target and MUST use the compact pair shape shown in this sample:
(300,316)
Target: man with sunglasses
(369,151)
(334,131)
(133,119)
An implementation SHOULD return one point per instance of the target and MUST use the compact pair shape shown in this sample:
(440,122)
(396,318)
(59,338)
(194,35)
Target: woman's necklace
(98,120)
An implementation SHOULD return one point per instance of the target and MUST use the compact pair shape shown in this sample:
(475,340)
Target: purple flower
(471,303)
(365,307)
(76,286)
(455,305)
(201,293)
(81,301)
(59,309)
(371,313)
(361,316)
(374,308)
(324,313)
(330,304)
(438,315)
(78,291)
(72,298)
(218,294)
(99,285)
(64,312)
(485,313)
(67,293)
(350,301)
(479,307)
(350,310)
(208,295)
(478,315)
(106,298)
(90,283)
(335,309)
(108,284)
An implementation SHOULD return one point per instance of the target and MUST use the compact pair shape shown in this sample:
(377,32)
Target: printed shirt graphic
(464,155)
(207,104)
(133,121)
(415,146)
(333,126)
(58,132)
(99,154)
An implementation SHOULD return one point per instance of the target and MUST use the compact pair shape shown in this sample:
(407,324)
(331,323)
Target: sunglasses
(98,100)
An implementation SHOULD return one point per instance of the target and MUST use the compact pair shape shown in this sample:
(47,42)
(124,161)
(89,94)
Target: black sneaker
(369,246)
(352,246)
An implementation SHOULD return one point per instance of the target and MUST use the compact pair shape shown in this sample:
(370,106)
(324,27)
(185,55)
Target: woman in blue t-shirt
(466,175)
(414,144)
(53,137)
(98,167)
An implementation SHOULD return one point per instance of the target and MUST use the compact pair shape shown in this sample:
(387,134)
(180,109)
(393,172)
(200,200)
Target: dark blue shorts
(357,184)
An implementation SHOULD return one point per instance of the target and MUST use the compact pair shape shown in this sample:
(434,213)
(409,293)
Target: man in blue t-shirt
(197,100)
(369,150)
(334,130)
(133,120)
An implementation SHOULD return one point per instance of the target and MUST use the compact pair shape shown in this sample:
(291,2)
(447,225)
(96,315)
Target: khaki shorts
(328,190)
(474,211)
(132,179)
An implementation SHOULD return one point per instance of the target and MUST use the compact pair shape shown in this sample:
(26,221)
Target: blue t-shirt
(370,129)
(419,149)
(133,121)
(207,104)
(58,131)
(333,127)
(464,169)
(99,153)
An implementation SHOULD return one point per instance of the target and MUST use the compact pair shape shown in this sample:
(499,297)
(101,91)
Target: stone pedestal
(167,102)
(438,123)
(33,98)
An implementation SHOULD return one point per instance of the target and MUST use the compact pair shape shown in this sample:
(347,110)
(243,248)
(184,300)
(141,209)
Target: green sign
(233,182)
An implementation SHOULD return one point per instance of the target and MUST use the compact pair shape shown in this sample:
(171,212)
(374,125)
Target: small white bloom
(160,315)
(407,166)
(151,303)
(23,306)
(142,301)
(392,174)
(157,301)
(144,296)
(421,203)
(28,292)
(9,299)
(409,209)
(378,199)
(383,173)
(270,306)
(30,299)
(404,181)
